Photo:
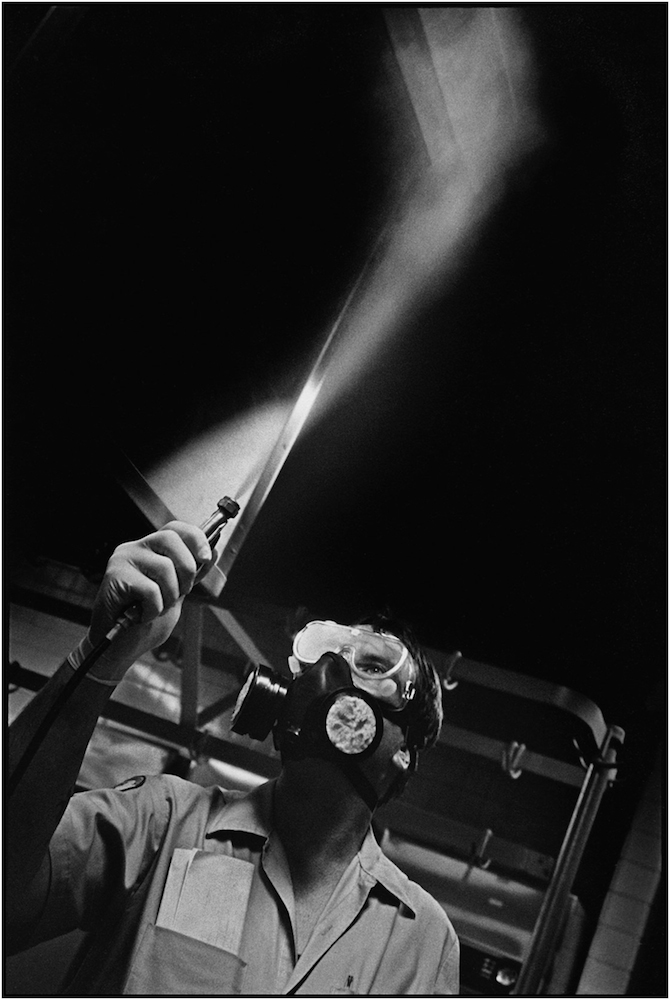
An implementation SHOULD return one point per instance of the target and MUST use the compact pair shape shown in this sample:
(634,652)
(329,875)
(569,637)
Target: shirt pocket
(168,963)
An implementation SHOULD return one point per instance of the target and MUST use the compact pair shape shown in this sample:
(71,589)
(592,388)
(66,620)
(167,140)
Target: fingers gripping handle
(226,509)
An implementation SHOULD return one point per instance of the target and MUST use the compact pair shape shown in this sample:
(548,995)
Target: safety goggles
(380,663)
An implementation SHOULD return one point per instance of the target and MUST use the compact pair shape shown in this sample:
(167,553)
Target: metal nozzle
(226,508)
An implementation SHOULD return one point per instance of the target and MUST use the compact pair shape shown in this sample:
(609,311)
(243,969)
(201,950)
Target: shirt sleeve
(447,982)
(101,850)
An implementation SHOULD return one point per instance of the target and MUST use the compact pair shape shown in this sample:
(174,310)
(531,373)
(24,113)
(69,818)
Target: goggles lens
(380,663)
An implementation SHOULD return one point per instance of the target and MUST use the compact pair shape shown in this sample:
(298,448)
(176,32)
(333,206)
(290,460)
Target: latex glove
(156,572)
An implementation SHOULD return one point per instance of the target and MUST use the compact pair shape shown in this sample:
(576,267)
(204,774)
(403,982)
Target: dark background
(189,191)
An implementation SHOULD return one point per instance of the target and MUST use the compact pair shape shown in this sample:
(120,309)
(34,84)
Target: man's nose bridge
(332,669)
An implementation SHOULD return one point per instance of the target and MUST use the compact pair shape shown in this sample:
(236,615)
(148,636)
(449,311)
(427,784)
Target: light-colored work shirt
(115,850)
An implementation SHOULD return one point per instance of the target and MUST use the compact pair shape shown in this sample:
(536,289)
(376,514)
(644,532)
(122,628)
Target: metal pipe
(552,911)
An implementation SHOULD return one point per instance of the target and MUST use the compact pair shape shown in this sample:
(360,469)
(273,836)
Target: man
(187,890)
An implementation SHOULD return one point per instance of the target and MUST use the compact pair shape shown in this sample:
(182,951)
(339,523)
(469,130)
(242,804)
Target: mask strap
(360,783)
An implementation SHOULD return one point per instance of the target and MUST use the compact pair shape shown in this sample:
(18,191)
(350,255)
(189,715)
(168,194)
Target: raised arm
(155,572)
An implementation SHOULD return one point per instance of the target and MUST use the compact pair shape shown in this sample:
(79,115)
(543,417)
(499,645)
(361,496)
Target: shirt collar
(375,863)
(245,812)
(252,813)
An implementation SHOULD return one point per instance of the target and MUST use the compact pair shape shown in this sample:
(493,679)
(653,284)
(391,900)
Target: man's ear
(401,759)
(404,761)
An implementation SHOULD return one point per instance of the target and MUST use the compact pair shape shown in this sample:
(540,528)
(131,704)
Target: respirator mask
(345,680)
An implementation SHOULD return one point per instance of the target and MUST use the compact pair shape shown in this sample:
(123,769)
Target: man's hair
(424,712)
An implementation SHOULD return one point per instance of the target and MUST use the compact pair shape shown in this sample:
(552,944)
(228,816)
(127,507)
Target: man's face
(380,664)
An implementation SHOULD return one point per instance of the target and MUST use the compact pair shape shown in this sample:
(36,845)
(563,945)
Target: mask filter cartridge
(259,703)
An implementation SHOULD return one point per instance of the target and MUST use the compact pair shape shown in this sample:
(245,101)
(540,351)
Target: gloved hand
(156,572)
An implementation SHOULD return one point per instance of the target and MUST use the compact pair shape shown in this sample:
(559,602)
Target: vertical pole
(552,912)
